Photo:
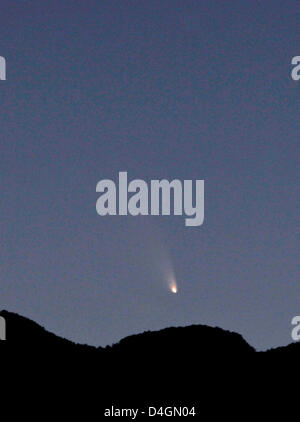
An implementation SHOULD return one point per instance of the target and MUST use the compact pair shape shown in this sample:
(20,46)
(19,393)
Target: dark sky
(160,89)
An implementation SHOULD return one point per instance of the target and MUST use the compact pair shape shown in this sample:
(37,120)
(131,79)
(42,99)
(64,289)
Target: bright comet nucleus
(173,287)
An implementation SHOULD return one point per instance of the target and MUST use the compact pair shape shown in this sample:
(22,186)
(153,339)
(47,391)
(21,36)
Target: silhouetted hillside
(198,362)
(21,330)
(195,340)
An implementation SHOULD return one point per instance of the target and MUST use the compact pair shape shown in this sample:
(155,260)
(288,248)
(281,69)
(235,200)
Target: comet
(173,287)
(161,260)
(171,279)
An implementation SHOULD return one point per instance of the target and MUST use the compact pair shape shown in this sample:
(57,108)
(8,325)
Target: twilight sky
(161,89)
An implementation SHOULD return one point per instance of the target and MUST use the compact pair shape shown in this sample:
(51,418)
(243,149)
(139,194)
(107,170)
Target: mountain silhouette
(167,344)
(194,339)
(198,362)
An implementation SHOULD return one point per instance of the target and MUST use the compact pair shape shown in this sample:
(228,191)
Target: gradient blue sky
(162,89)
